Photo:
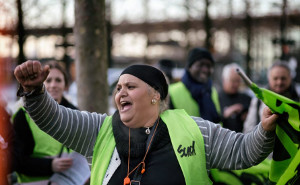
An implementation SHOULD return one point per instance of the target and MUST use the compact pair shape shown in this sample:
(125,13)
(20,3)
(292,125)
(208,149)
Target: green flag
(285,166)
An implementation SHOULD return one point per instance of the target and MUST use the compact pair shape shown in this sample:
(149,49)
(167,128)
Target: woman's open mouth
(125,105)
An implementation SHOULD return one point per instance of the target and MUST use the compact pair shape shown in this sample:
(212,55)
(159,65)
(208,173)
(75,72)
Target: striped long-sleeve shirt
(78,130)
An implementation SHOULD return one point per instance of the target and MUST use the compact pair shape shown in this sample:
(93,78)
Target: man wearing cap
(195,92)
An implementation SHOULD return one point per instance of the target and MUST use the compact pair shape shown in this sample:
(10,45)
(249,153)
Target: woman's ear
(156,96)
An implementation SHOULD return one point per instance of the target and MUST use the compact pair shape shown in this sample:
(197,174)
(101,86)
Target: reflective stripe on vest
(44,146)
(183,131)
(182,99)
(103,151)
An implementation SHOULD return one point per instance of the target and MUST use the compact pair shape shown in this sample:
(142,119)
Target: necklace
(127,179)
(147,131)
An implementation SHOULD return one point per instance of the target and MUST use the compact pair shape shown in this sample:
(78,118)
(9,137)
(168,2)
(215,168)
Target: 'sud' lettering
(187,151)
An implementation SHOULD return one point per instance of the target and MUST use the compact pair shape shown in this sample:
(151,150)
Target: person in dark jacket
(234,103)
(38,154)
(195,92)
(279,81)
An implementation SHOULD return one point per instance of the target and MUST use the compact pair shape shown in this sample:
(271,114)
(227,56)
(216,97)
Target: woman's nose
(123,92)
(52,84)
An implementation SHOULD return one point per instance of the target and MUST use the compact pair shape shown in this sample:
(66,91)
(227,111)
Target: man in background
(234,104)
(280,82)
(195,92)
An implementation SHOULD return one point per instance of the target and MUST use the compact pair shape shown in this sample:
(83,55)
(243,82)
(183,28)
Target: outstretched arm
(226,149)
(77,130)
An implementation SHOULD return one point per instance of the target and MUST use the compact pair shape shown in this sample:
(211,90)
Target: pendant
(127,181)
(147,131)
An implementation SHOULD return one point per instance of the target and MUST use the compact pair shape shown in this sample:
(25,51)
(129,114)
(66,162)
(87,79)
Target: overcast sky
(48,12)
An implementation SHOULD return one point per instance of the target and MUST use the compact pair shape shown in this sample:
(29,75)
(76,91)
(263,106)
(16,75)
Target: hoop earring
(153,101)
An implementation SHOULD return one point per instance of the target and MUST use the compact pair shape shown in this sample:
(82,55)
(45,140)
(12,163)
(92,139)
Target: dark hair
(55,65)
(280,64)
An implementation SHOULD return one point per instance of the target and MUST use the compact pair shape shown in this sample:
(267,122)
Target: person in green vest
(195,92)
(143,142)
(37,153)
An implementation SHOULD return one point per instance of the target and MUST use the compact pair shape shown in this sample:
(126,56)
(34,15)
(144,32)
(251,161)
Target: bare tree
(109,33)
(21,32)
(248,25)
(283,25)
(187,24)
(208,26)
(91,55)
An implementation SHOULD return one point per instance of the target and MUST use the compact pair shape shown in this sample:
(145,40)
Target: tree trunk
(21,32)
(208,26)
(248,21)
(283,23)
(91,55)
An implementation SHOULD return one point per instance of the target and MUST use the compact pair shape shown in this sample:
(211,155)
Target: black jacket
(24,145)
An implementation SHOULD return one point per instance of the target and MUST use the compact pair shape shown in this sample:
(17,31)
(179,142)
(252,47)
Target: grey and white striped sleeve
(226,149)
(78,130)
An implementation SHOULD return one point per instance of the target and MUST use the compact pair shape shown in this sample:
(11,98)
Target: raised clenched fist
(31,74)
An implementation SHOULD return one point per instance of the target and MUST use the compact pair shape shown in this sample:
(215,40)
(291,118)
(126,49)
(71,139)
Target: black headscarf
(151,75)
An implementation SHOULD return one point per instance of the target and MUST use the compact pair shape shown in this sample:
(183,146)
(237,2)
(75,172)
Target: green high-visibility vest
(183,131)
(255,174)
(284,171)
(45,146)
(182,99)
